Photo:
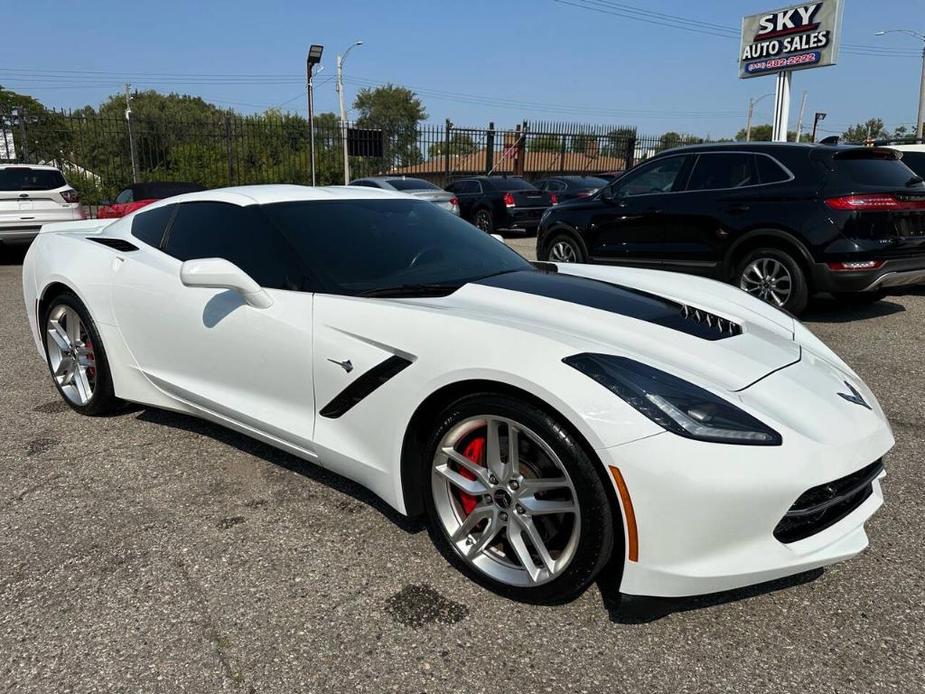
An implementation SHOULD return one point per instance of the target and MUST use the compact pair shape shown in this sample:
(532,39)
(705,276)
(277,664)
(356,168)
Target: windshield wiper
(412,290)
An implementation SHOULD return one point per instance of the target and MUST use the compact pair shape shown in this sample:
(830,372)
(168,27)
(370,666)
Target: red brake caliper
(474,451)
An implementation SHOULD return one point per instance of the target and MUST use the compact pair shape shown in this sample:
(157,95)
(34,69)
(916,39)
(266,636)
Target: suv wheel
(564,249)
(774,276)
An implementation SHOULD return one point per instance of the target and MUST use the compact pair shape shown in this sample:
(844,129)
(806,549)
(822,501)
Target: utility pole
(131,138)
(748,124)
(818,117)
(800,121)
(343,111)
(921,113)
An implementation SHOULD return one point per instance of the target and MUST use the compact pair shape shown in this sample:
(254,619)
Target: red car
(138,195)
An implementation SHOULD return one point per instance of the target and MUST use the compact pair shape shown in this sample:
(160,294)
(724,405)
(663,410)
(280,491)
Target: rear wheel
(485,221)
(565,249)
(513,500)
(76,357)
(774,276)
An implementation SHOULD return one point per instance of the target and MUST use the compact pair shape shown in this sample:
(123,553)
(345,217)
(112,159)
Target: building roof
(535,162)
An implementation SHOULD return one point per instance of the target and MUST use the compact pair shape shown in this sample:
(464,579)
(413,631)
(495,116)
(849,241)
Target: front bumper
(896,272)
(706,513)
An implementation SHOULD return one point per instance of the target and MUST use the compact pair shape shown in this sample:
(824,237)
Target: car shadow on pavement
(632,609)
(826,310)
(282,459)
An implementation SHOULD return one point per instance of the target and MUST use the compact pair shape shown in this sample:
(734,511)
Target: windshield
(23,178)
(363,246)
(411,184)
(915,161)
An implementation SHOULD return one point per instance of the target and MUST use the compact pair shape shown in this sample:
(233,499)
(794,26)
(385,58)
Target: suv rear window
(505,184)
(915,161)
(411,184)
(23,178)
(872,168)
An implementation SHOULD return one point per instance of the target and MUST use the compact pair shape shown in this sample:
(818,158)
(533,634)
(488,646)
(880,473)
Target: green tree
(460,145)
(398,112)
(764,132)
(47,137)
(618,140)
(871,129)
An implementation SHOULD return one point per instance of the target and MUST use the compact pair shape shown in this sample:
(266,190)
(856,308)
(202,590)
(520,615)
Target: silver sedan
(418,187)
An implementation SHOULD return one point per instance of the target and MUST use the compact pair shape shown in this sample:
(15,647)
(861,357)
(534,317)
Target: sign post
(782,41)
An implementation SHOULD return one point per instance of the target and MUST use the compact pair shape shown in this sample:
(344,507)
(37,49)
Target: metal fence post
(490,148)
(228,153)
(562,154)
(446,153)
(521,150)
(22,133)
(630,153)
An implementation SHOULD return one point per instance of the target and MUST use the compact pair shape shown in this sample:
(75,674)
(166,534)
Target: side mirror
(218,273)
(498,237)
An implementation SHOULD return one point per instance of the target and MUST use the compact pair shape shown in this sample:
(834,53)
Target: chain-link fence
(101,154)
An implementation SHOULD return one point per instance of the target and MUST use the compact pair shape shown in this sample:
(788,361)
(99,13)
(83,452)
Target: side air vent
(721,326)
(117,244)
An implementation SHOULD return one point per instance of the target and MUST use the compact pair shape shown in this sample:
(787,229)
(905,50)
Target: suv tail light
(554,198)
(70,195)
(855,265)
(509,200)
(874,202)
(454,201)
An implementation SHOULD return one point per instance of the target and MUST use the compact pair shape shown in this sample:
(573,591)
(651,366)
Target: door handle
(738,208)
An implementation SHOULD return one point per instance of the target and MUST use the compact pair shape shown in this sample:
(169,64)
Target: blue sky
(522,59)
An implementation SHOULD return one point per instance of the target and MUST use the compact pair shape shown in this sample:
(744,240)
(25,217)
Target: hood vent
(721,326)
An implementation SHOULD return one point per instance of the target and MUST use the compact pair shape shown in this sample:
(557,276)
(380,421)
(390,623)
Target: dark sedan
(495,203)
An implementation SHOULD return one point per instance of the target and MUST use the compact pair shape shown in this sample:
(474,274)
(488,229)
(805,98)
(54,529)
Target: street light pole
(921,112)
(131,137)
(343,111)
(751,110)
(314,57)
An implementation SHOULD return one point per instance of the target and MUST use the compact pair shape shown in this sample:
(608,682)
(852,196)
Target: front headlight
(674,404)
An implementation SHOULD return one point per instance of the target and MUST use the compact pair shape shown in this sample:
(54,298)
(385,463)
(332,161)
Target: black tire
(485,220)
(564,246)
(798,297)
(858,298)
(596,541)
(103,400)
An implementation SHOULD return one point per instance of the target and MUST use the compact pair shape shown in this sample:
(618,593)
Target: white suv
(32,195)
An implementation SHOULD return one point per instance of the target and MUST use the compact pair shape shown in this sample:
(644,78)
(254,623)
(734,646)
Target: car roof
(757,147)
(269,194)
(44,167)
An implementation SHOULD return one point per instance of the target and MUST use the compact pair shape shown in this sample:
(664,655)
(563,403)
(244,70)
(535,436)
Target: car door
(207,347)
(629,223)
(717,200)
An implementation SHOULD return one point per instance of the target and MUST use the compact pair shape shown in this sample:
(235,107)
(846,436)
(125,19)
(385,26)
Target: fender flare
(777,236)
(573,233)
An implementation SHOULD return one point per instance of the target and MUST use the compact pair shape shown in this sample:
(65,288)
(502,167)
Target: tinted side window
(769,171)
(466,187)
(149,226)
(915,161)
(726,170)
(240,235)
(657,177)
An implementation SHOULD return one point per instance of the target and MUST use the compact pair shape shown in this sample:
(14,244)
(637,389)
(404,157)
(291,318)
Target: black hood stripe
(613,298)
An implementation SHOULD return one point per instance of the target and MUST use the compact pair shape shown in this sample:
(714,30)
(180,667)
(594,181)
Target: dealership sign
(793,38)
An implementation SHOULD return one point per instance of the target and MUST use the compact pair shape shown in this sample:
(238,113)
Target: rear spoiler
(84,226)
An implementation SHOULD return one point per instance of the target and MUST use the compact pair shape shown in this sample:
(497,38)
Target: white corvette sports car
(549,420)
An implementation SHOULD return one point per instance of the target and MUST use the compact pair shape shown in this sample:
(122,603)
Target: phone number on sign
(783,63)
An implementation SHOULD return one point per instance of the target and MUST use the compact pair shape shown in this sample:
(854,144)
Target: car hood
(704,330)
(431,195)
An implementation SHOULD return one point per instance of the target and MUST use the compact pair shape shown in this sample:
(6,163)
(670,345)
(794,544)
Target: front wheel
(775,277)
(514,501)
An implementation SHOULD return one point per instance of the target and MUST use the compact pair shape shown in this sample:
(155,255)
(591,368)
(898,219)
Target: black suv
(778,220)
(494,203)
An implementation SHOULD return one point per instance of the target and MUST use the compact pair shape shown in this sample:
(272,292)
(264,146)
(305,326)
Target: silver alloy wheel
(523,522)
(768,279)
(70,354)
(563,252)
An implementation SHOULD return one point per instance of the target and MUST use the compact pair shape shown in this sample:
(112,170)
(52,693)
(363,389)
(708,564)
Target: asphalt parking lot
(153,552)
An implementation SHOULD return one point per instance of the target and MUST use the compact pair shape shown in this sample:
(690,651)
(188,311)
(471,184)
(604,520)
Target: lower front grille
(823,506)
